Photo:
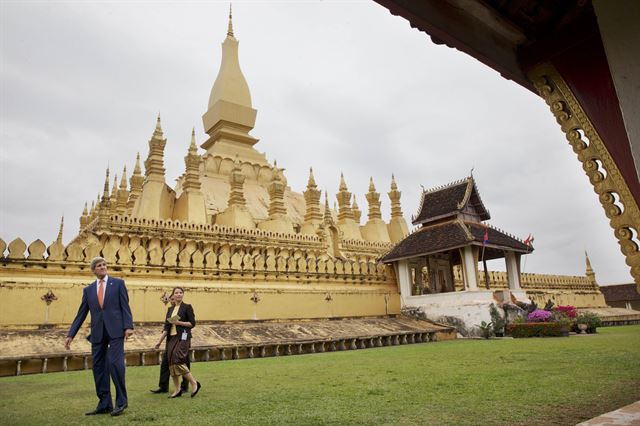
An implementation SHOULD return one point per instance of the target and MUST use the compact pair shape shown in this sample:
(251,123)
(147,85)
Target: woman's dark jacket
(185,312)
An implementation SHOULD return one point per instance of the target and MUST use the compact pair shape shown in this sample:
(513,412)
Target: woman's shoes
(195,392)
(175,395)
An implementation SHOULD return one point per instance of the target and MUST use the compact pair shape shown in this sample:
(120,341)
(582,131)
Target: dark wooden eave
(451,235)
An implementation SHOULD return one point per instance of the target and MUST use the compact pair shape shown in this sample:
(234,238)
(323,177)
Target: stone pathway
(627,416)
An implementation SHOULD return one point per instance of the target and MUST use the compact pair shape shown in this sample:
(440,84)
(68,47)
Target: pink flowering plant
(567,310)
(539,315)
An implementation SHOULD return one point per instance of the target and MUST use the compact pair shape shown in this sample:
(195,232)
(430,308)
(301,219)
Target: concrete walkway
(629,415)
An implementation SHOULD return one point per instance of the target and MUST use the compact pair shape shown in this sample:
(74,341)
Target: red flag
(529,240)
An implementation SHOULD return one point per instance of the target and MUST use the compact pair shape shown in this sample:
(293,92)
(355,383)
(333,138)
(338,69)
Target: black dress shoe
(96,411)
(159,390)
(119,410)
(175,395)
(195,392)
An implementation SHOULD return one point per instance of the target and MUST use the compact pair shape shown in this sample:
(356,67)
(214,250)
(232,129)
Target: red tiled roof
(443,237)
(450,200)
(620,292)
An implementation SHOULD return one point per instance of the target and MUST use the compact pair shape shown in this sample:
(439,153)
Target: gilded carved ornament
(617,201)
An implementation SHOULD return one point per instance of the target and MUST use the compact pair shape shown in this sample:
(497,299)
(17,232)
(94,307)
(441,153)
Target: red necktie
(101,293)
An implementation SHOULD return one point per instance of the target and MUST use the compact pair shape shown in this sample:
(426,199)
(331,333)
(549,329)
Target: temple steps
(382,332)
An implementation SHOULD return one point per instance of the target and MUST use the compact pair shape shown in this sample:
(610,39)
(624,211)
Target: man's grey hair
(95,261)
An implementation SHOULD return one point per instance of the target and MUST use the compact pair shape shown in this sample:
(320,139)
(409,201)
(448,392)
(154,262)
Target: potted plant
(590,319)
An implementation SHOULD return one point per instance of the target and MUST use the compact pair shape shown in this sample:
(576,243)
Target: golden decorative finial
(372,187)
(343,184)
(114,190)
(193,149)
(59,239)
(158,130)
(136,169)
(230,28)
(123,181)
(311,183)
(105,192)
(589,271)
(394,185)
(85,211)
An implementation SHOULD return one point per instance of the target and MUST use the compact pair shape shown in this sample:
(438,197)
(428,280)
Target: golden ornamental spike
(230,27)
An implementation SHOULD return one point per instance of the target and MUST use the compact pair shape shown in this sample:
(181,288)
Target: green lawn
(522,381)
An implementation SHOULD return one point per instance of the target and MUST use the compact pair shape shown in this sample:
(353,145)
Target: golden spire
(357,214)
(311,183)
(114,189)
(373,198)
(105,192)
(84,219)
(344,198)
(123,180)
(84,212)
(230,27)
(158,130)
(589,272)
(193,148)
(137,170)
(328,218)
(59,239)
(394,196)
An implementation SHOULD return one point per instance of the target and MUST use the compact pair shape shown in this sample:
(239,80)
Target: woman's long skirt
(178,354)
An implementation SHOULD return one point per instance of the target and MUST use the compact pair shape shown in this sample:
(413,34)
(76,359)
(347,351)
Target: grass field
(518,381)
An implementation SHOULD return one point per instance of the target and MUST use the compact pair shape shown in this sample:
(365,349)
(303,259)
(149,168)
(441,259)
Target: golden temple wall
(229,274)
(578,291)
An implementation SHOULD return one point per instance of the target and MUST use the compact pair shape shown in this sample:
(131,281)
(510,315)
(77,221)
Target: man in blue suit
(111,323)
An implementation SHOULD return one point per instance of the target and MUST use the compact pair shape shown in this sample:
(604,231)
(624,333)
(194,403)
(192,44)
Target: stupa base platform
(616,316)
(42,351)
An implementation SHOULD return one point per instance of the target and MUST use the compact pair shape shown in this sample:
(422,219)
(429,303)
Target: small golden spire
(123,181)
(105,192)
(84,212)
(136,168)
(59,239)
(372,187)
(311,183)
(343,184)
(230,27)
(158,130)
(114,190)
(193,148)
(394,185)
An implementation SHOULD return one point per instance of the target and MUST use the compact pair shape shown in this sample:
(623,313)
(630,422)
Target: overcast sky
(339,86)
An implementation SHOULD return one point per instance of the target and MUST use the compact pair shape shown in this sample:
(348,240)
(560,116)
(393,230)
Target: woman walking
(180,320)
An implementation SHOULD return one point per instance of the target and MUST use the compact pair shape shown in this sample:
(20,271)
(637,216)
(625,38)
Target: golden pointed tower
(312,215)
(190,205)
(157,199)
(346,222)
(84,219)
(236,215)
(357,214)
(230,115)
(397,227)
(328,217)
(278,220)
(123,194)
(375,229)
(105,203)
(135,182)
(589,271)
(114,193)
(59,239)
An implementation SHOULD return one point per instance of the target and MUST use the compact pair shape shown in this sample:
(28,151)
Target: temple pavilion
(452,234)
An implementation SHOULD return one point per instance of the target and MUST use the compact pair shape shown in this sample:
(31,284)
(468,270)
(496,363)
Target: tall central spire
(230,115)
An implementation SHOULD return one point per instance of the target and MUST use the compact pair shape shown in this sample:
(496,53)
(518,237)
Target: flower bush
(539,316)
(568,310)
(539,329)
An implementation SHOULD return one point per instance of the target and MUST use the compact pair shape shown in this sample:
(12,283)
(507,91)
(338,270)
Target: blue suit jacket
(115,316)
